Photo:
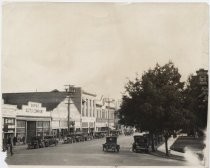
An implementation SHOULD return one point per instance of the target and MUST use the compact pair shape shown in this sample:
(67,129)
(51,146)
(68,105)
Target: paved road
(88,153)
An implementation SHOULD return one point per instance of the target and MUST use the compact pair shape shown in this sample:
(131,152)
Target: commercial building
(28,121)
(43,113)
(105,109)
(201,78)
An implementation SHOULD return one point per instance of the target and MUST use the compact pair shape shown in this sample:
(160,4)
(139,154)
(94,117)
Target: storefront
(85,127)
(88,124)
(32,120)
(8,120)
(27,128)
(60,127)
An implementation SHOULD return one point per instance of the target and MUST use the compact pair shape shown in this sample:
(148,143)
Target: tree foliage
(154,102)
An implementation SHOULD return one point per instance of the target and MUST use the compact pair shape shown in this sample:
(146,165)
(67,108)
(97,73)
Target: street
(88,153)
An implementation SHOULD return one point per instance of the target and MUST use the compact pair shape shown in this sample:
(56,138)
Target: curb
(163,155)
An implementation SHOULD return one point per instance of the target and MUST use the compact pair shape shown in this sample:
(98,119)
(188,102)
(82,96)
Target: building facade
(45,113)
(201,78)
(28,121)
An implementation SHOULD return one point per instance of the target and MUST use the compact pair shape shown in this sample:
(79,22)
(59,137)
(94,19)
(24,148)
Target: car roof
(111,137)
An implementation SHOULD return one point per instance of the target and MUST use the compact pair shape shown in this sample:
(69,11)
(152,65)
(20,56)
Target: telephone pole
(69,90)
(108,116)
(109,101)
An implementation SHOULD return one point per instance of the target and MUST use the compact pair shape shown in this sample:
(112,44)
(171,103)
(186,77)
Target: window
(90,108)
(93,108)
(46,124)
(87,107)
(83,110)
(21,123)
(39,124)
(103,114)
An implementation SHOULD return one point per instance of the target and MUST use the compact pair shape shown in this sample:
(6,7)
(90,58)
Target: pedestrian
(23,139)
(4,144)
(14,141)
(9,143)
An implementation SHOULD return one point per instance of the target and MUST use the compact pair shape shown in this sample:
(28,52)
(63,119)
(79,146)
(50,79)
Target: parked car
(111,144)
(50,140)
(114,133)
(100,134)
(97,135)
(36,142)
(141,143)
(69,139)
(79,137)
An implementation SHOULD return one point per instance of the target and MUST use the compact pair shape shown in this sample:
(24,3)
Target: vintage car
(69,139)
(36,142)
(79,137)
(87,136)
(141,143)
(111,144)
(100,134)
(115,132)
(50,140)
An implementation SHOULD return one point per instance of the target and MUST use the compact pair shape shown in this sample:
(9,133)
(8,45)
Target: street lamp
(69,90)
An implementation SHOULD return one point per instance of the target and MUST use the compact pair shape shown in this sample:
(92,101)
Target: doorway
(31,130)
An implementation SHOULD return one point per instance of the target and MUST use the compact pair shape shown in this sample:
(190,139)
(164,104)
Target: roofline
(39,92)
(90,94)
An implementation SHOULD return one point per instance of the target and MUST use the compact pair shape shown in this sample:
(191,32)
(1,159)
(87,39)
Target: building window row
(88,108)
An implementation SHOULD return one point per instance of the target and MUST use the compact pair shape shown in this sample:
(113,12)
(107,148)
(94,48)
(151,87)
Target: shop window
(21,124)
(39,124)
(21,130)
(46,124)
(20,137)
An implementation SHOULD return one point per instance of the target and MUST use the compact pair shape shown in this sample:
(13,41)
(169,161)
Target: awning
(112,128)
(27,118)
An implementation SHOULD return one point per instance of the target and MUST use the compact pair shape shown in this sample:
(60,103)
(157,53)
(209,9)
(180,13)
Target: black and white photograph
(104,84)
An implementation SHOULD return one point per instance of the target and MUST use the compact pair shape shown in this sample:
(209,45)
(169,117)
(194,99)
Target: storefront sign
(10,131)
(11,126)
(33,107)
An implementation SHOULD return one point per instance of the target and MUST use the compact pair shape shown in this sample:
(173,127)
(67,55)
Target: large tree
(154,102)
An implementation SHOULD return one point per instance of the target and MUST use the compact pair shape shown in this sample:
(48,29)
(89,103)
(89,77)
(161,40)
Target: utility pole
(108,116)
(69,90)
(109,101)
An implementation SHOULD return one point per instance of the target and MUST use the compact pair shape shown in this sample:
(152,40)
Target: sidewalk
(161,152)
(183,148)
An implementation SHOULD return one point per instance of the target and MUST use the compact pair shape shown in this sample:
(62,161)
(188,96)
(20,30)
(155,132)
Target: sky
(98,46)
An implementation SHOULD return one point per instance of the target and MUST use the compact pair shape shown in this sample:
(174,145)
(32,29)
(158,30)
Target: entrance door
(31,130)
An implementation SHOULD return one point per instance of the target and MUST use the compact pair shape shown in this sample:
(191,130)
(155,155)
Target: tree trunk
(166,146)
